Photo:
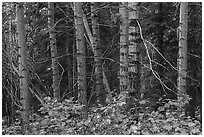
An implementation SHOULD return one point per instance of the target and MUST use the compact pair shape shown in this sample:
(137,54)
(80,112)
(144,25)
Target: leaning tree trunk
(124,49)
(23,72)
(100,92)
(90,36)
(182,58)
(53,47)
(81,66)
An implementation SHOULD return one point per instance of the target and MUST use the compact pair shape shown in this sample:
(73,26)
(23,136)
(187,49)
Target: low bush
(64,118)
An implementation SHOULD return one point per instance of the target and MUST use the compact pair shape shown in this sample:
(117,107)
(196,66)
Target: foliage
(115,118)
(64,118)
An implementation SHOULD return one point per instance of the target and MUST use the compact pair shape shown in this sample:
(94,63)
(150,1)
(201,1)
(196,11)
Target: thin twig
(156,75)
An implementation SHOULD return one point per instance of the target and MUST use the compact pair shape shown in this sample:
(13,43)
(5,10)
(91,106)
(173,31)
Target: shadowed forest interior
(102,68)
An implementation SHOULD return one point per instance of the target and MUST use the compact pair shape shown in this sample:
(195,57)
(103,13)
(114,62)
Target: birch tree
(53,47)
(81,66)
(123,48)
(134,49)
(91,39)
(23,72)
(182,57)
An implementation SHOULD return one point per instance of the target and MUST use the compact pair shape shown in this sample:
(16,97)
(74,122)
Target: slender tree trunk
(74,73)
(69,72)
(100,93)
(194,89)
(88,31)
(124,49)
(134,50)
(81,66)
(10,38)
(160,34)
(10,52)
(23,73)
(53,47)
(182,58)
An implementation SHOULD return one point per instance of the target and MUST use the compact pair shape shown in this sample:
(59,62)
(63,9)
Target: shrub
(64,118)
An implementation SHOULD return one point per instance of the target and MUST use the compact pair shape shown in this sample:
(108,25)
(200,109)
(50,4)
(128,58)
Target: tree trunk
(194,89)
(134,50)
(23,72)
(53,47)
(182,58)
(159,37)
(100,93)
(124,49)
(88,31)
(74,73)
(10,52)
(81,66)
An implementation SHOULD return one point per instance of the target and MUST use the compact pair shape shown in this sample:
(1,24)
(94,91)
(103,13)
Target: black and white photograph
(101,68)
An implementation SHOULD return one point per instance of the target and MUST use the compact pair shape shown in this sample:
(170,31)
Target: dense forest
(102,68)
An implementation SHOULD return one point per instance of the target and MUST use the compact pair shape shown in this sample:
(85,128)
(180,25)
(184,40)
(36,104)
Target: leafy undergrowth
(113,119)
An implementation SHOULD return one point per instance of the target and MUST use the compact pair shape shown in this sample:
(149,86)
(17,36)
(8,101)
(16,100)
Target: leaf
(103,108)
(146,133)
(168,127)
(183,132)
(116,125)
(126,120)
(87,122)
(50,113)
(63,124)
(45,122)
(151,119)
(161,108)
(77,107)
(120,116)
(177,129)
(195,130)
(141,115)
(176,125)
(80,123)
(191,124)
(167,105)
(155,129)
(121,103)
(133,128)
(62,117)
(170,119)
(66,108)
(93,129)
(142,102)
(108,120)
(122,97)
(184,123)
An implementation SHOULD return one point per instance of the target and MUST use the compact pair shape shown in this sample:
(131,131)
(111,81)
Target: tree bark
(194,88)
(100,93)
(160,41)
(182,58)
(10,52)
(23,72)
(53,47)
(124,49)
(88,31)
(134,50)
(81,66)
(74,69)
